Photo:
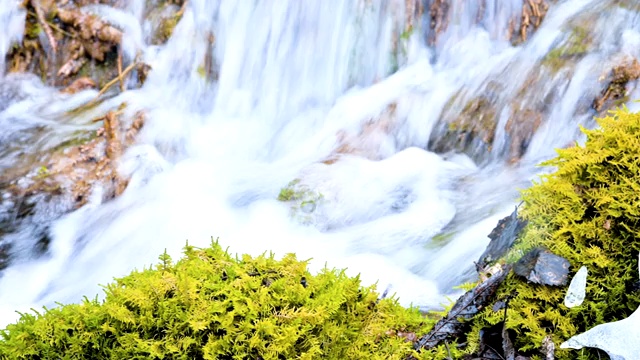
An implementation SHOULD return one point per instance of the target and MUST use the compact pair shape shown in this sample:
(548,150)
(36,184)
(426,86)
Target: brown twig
(120,77)
(114,81)
(182,9)
(45,25)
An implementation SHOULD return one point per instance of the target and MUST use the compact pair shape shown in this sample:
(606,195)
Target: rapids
(291,80)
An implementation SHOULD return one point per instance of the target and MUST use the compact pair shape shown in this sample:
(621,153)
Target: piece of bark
(467,306)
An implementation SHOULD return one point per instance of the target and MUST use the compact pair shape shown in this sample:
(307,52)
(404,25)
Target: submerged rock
(541,266)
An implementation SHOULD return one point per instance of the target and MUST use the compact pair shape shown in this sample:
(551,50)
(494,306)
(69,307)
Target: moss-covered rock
(210,305)
(469,125)
(575,46)
(587,211)
(625,72)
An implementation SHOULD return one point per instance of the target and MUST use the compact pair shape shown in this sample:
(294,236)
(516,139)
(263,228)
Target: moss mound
(210,305)
(587,211)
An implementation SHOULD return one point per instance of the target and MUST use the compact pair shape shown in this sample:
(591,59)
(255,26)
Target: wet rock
(521,126)
(468,126)
(439,19)
(80,84)
(502,238)
(617,83)
(469,122)
(96,36)
(371,141)
(64,180)
(490,343)
(548,348)
(541,266)
(4,254)
(522,24)
(577,43)
(62,43)
(533,12)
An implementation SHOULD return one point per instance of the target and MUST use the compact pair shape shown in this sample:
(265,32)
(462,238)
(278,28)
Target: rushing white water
(292,79)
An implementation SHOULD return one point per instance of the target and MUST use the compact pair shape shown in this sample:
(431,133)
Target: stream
(335,98)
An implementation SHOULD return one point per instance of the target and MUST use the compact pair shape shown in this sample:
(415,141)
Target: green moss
(77,138)
(167,24)
(210,305)
(576,45)
(587,211)
(441,239)
(202,71)
(302,200)
(166,28)
(477,118)
(630,5)
(290,192)
(32,29)
(43,173)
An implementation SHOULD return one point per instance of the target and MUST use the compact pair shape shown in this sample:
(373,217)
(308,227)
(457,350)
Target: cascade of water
(247,96)
(12,26)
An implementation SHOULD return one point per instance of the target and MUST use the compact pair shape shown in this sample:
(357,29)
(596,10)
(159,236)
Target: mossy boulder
(587,211)
(210,305)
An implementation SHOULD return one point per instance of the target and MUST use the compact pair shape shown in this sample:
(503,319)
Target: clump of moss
(577,44)
(587,211)
(210,305)
(302,199)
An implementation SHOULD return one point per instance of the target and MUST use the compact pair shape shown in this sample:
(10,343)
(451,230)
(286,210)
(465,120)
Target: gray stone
(541,266)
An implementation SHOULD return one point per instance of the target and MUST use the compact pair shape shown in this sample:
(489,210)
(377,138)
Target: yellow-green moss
(210,305)
(587,211)
(302,200)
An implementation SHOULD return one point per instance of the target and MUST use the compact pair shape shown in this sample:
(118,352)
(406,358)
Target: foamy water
(293,79)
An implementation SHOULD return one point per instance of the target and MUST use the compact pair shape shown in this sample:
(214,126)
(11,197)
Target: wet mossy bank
(586,211)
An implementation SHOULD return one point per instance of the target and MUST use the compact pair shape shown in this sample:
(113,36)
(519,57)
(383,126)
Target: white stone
(577,289)
(620,339)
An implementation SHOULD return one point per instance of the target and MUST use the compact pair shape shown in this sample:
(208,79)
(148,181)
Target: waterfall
(351,102)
